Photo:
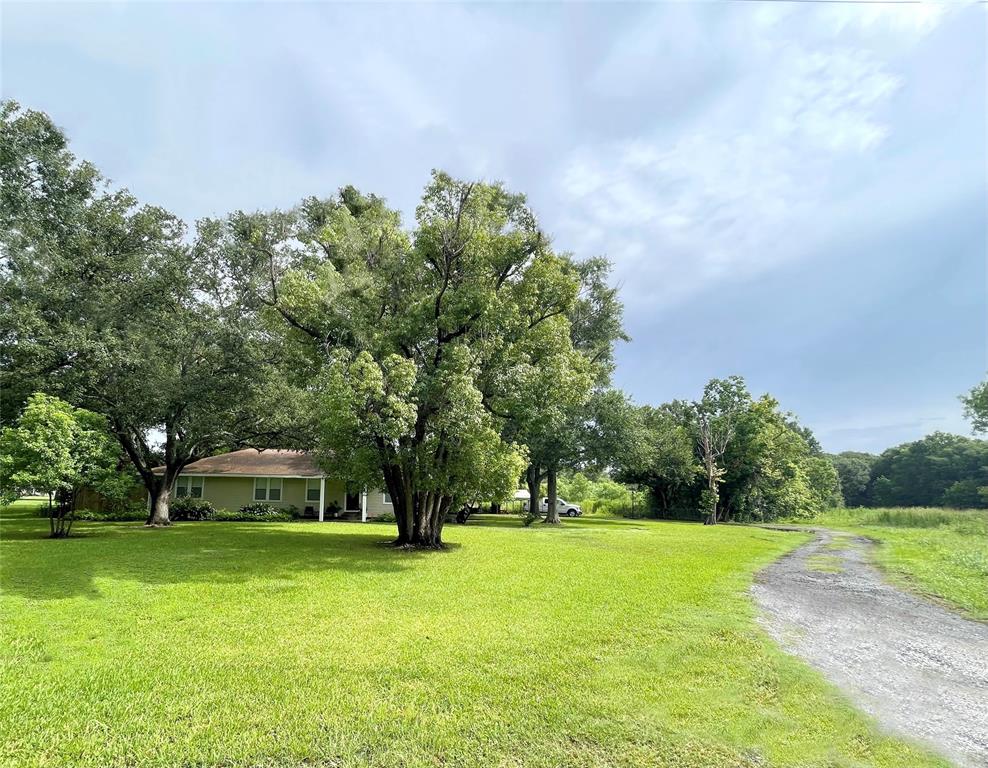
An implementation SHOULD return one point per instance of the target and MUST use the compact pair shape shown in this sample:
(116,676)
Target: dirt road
(919,669)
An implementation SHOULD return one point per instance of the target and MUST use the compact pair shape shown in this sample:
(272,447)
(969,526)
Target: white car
(567,508)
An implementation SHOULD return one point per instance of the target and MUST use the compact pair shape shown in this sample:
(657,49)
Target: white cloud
(744,185)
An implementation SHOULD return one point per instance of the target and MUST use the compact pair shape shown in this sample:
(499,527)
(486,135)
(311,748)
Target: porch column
(363,506)
(322,497)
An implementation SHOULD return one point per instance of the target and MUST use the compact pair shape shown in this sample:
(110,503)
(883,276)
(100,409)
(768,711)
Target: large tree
(409,339)
(108,305)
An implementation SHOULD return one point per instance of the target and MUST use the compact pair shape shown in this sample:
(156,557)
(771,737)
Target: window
(188,486)
(312,489)
(267,489)
(387,497)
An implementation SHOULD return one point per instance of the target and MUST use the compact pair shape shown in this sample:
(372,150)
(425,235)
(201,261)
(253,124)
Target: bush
(253,513)
(130,513)
(188,508)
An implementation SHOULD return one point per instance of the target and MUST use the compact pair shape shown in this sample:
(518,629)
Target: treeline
(730,456)
(939,470)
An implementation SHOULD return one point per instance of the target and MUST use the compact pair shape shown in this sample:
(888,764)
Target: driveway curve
(919,669)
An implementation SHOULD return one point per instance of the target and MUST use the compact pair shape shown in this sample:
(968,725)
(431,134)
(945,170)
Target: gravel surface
(919,669)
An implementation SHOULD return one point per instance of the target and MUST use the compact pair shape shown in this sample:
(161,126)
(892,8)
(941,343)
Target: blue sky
(792,192)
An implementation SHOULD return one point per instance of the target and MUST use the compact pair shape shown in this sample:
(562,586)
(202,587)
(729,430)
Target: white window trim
(317,488)
(267,489)
(385,500)
(189,479)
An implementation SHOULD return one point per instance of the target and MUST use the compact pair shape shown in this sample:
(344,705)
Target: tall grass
(966,521)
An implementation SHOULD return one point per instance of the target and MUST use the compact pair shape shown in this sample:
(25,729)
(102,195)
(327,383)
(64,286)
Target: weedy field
(598,643)
(942,553)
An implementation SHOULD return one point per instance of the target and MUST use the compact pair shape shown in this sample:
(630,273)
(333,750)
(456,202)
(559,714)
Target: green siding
(226,492)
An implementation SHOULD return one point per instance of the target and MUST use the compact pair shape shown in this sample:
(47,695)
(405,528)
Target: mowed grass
(942,553)
(600,643)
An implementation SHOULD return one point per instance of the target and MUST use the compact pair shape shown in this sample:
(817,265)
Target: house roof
(254,463)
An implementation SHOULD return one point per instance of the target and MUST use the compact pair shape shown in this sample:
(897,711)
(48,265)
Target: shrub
(188,508)
(250,513)
(121,514)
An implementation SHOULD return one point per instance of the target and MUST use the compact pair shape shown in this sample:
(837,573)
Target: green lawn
(941,553)
(601,643)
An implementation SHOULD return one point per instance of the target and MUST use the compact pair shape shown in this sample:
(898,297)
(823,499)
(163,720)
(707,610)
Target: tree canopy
(941,469)
(108,305)
(418,347)
(976,407)
(729,456)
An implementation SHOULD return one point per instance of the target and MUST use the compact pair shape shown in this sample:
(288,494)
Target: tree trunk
(533,480)
(419,515)
(552,514)
(160,499)
(712,487)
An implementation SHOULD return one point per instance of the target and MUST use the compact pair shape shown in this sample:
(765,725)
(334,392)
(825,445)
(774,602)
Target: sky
(794,192)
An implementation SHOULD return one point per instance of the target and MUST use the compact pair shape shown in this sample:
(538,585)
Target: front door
(352,502)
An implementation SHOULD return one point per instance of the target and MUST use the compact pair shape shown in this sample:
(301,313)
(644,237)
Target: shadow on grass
(515,521)
(39,568)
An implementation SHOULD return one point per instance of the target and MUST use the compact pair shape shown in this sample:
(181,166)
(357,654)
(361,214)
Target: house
(277,477)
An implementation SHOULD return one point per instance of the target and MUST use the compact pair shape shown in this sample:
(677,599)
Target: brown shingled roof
(252,462)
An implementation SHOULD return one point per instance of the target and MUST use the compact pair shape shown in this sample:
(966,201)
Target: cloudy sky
(794,192)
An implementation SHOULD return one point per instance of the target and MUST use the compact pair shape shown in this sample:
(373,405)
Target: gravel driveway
(919,669)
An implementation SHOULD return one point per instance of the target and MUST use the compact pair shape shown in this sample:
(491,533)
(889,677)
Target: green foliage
(57,450)
(940,469)
(189,508)
(256,512)
(976,407)
(109,305)
(744,458)
(131,513)
(293,644)
(599,496)
(423,345)
(854,470)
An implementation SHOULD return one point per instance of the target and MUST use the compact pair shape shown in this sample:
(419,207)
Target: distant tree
(854,469)
(716,417)
(665,461)
(966,494)
(976,407)
(106,305)
(58,450)
(773,467)
(746,459)
(922,472)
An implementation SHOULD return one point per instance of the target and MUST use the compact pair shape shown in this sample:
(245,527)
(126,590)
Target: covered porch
(329,499)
